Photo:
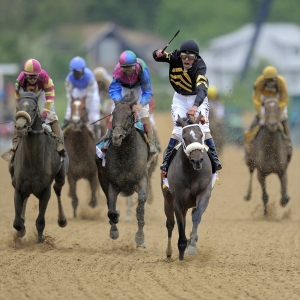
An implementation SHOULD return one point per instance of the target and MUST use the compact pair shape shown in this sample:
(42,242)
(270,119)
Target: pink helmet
(32,67)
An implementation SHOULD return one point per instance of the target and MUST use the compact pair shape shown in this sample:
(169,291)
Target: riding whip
(100,119)
(170,41)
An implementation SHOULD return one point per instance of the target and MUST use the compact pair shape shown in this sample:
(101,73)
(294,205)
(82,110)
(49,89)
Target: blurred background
(237,39)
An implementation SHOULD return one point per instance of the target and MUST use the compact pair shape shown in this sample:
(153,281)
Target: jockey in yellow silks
(270,84)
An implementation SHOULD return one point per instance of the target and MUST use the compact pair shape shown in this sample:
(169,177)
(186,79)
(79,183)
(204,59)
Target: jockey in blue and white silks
(80,82)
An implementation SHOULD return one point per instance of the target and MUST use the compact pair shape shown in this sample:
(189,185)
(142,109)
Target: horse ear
(133,101)
(72,97)
(197,121)
(180,122)
(39,93)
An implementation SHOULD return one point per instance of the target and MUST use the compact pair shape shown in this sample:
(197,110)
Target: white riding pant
(144,112)
(92,102)
(181,105)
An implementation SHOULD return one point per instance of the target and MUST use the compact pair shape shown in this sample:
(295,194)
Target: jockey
(104,80)
(270,84)
(187,76)
(131,75)
(216,104)
(33,78)
(80,82)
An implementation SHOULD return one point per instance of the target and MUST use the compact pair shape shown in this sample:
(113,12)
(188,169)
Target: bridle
(193,146)
(32,121)
(125,131)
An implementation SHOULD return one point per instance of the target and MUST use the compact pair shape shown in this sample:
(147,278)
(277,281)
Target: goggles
(271,80)
(32,77)
(190,56)
(127,68)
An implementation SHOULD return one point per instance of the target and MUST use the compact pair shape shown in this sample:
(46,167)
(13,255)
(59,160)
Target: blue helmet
(77,64)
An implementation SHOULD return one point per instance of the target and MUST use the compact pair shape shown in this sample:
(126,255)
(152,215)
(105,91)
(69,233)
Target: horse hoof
(284,201)
(128,219)
(92,204)
(21,233)
(191,250)
(247,198)
(40,240)
(62,223)
(169,255)
(114,234)
(140,241)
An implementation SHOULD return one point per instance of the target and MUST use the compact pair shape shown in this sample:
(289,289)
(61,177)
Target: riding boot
(254,123)
(10,154)
(107,140)
(148,129)
(249,134)
(211,145)
(286,128)
(59,139)
(168,155)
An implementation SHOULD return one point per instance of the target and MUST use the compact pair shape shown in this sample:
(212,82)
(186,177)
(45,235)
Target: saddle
(140,129)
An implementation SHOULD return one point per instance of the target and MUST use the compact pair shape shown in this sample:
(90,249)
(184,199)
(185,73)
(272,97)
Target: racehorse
(128,167)
(190,186)
(80,146)
(217,130)
(268,153)
(35,165)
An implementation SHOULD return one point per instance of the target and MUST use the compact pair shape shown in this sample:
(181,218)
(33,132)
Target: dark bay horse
(81,149)
(128,167)
(268,153)
(35,165)
(190,186)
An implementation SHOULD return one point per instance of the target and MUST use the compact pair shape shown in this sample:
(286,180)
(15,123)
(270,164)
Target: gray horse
(80,145)
(269,154)
(128,167)
(190,186)
(35,165)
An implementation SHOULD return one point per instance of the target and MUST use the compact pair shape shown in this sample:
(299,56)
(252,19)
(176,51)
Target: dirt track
(241,255)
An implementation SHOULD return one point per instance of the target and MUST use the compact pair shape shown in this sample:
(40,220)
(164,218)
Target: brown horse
(128,167)
(35,165)
(190,186)
(81,149)
(268,153)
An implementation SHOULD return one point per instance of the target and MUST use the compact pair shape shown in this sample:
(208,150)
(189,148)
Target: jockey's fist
(136,108)
(159,53)
(192,111)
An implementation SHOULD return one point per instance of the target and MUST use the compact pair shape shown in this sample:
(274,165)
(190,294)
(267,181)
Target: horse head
(79,114)
(191,140)
(27,115)
(123,119)
(272,114)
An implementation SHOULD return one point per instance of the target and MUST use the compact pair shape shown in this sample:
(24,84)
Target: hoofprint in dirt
(240,253)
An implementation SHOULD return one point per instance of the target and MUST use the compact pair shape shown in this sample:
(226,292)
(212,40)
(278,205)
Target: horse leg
(182,240)
(170,222)
(140,213)
(262,179)
(40,221)
(72,193)
(196,219)
(285,198)
(248,195)
(20,206)
(94,185)
(113,214)
(129,201)
(59,182)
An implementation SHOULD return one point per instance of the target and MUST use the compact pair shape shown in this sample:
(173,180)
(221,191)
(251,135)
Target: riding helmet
(77,64)
(270,72)
(127,59)
(32,67)
(189,46)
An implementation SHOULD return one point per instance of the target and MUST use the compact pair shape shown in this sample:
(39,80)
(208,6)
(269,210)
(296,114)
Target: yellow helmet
(270,72)
(100,74)
(212,92)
